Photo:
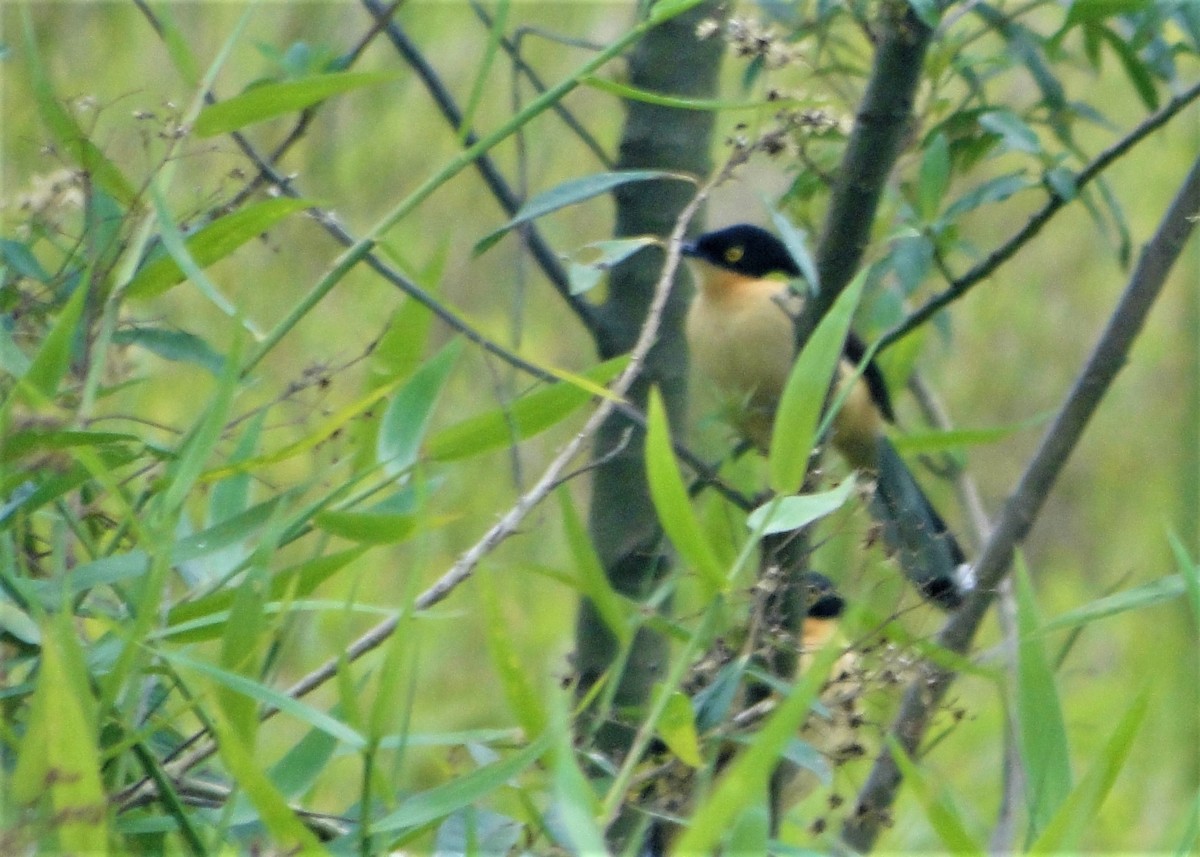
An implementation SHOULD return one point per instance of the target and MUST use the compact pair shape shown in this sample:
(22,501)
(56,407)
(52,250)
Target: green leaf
(59,756)
(784,514)
(524,418)
(50,365)
(239,655)
(751,831)
(175,345)
(275,99)
(1137,72)
(706,105)
(296,581)
(800,406)
(991,191)
(925,442)
(796,241)
(21,260)
(199,443)
(281,823)
(713,701)
(677,728)
(442,800)
(1078,812)
(295,773)
(940,810)
(671,501)
(407,416)
(372,528)
(665,10)
(1154,592)
(570,193)
(928,11)
(593,583)
(212,243)
(29,442)
(1042,733)
(934,177)
(524,699)
(302,711)
(1189,570)
(591,262)
(1191,833)
(1015,135)
(231,531)
(1086,11)
(575,802)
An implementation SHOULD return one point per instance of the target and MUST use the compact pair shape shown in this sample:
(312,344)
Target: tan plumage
(741,337)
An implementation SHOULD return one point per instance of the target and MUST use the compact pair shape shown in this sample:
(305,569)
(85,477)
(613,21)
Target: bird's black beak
(689,248)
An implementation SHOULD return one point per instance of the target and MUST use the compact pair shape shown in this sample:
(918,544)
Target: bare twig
(928,689)
(1033,226)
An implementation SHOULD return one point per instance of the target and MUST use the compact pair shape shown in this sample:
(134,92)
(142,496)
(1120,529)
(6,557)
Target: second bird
(741,335)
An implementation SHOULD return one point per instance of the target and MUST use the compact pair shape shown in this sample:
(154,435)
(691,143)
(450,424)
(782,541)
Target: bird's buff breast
(744,346)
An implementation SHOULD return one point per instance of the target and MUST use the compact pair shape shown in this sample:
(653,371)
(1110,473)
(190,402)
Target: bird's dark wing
(855,351)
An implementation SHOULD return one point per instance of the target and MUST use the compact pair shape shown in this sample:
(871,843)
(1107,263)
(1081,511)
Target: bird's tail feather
(926,549)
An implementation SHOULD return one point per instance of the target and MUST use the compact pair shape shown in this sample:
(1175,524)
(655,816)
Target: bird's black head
(821,597)
(743,249)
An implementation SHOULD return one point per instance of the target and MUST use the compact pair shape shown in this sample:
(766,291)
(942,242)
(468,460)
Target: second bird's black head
(743,249)
(821,597)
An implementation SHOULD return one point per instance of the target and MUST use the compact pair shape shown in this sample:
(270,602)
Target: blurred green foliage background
(1005,355)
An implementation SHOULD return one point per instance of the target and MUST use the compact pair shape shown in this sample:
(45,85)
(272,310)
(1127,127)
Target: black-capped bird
(741,334)
(833,732)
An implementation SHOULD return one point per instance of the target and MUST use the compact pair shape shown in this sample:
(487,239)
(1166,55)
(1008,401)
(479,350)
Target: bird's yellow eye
(734,254)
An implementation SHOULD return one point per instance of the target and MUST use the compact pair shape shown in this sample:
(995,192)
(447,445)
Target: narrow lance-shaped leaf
(1078,812)
(677,728)
(570,193)
(1137,598)
(592,581)
(275,99)
(53,359)
(440,801)
(1042,733)
(785,514)
(940,809)
(796,241)
(803,397)
(59,753)
(262,693)
(934,177)
(671,501)
(212,243)
(521,419)
(524,700)
(407,415)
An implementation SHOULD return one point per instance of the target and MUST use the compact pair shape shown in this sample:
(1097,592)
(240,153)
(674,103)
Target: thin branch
(465,566)
(875,142)
(928,689)
(1033,226)
(514,53)
(545,256)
